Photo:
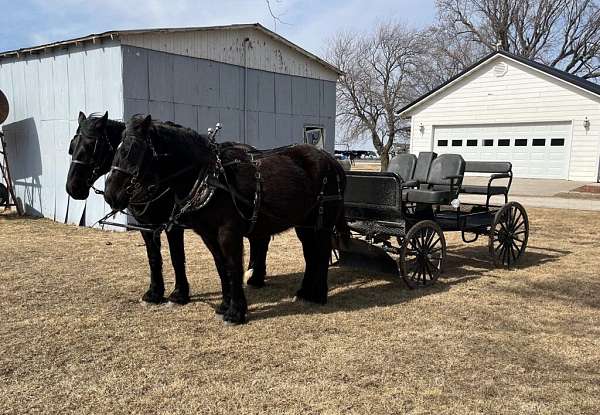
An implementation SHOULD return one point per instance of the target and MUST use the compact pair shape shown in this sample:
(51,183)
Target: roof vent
(500,69)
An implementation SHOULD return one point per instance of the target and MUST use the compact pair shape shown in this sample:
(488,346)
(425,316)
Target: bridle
(99,153)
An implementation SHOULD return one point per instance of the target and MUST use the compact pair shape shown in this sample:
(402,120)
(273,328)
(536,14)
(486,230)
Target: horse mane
(177,138)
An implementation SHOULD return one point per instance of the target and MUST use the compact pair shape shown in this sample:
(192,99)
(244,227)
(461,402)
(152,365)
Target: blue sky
(311,22)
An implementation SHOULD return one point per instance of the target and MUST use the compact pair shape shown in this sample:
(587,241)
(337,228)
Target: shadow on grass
(15,216)
(469,259)
(353,289)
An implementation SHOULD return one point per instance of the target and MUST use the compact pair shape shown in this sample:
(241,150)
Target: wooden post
(6,176)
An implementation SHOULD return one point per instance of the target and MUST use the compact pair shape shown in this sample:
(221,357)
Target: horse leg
(181,293)
(322,258)
(257,268)
(156,290)
(307,238)
(212,244)
(232,247)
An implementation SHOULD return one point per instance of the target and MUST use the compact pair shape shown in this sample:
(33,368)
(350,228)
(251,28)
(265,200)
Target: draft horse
(92,150)
(227,192)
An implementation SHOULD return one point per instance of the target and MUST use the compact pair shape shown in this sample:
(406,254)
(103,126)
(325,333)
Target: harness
(91,164)
(209,180)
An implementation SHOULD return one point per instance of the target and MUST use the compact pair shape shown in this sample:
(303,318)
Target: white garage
(543,120)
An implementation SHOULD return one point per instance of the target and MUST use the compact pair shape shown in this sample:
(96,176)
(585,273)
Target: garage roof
(554,72)
(115,34)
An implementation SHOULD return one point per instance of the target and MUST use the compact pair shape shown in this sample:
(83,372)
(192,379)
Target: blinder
(140,149)
(98,157)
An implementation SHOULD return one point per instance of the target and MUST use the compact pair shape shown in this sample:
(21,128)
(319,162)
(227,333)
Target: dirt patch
(74,337)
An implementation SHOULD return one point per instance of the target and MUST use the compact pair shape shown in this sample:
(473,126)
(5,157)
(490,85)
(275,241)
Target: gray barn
(265,90)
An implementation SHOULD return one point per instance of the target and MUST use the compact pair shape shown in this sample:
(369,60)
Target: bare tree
(444,56)
(276,16)
(376,82)
(560,33)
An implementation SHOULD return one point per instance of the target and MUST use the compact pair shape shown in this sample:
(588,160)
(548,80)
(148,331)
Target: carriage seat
(403,165)
(497,170)
(443,182)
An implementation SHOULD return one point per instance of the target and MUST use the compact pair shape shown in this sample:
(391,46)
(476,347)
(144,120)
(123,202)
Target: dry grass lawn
(74,337)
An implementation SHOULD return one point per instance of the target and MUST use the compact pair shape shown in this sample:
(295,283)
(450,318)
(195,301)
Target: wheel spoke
(517,248)
(430,237)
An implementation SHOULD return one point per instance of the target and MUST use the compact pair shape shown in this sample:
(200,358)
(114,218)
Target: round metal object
(4,109)
(509,234)
(423,254)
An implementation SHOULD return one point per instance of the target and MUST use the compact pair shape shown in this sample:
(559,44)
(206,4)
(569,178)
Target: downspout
(246,41)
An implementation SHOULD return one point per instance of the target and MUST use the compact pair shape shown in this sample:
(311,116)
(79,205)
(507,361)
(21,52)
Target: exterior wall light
(421,128)
(586,123)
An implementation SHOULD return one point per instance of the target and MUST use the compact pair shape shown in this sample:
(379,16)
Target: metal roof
(115,34)
(549,70)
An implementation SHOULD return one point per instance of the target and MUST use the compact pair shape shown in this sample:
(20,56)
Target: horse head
(91,155)
(133,162)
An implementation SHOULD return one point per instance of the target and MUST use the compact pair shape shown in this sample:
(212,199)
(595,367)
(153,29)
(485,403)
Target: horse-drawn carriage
(398,218)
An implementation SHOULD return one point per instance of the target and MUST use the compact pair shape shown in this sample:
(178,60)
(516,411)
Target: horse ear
(105,117)
(82,117)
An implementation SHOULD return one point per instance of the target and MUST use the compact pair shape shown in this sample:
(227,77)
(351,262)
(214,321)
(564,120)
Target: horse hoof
(248,274)
(311,301)
(234,316)
(146,303)
(231,323)
(178,299)
(151,297)
(171,304)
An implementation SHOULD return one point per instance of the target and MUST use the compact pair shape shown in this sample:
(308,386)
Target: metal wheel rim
(509,234)
(423,254)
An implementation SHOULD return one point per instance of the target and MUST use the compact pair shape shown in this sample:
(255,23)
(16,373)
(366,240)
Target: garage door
(535,150)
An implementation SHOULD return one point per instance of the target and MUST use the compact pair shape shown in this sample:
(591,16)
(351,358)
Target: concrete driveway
(541,193)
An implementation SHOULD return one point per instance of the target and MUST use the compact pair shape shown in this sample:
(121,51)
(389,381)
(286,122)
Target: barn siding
(46,93)
(264,53)
(198,93)
(521,95)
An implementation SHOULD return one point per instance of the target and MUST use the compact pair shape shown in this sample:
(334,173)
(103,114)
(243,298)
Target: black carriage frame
(393,235)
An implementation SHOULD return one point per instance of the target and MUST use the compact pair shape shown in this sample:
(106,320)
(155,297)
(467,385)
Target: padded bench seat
(496,170)
(483,190)
(432,197)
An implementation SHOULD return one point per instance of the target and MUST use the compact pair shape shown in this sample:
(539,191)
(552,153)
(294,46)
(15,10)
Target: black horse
(92,149)
(232,192)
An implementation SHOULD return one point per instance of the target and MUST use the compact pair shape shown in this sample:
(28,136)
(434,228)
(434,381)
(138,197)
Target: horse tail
(341,226)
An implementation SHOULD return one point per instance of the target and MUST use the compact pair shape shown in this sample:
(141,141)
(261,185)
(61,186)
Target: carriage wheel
(422,254)
(3,195)
(508,235)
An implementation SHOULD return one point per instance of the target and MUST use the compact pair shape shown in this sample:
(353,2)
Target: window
(539,142)
(521,142)
(314,135)
(456,143)
(557,142)
(505,142)
(488,143)
(471,143)
(442,143)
